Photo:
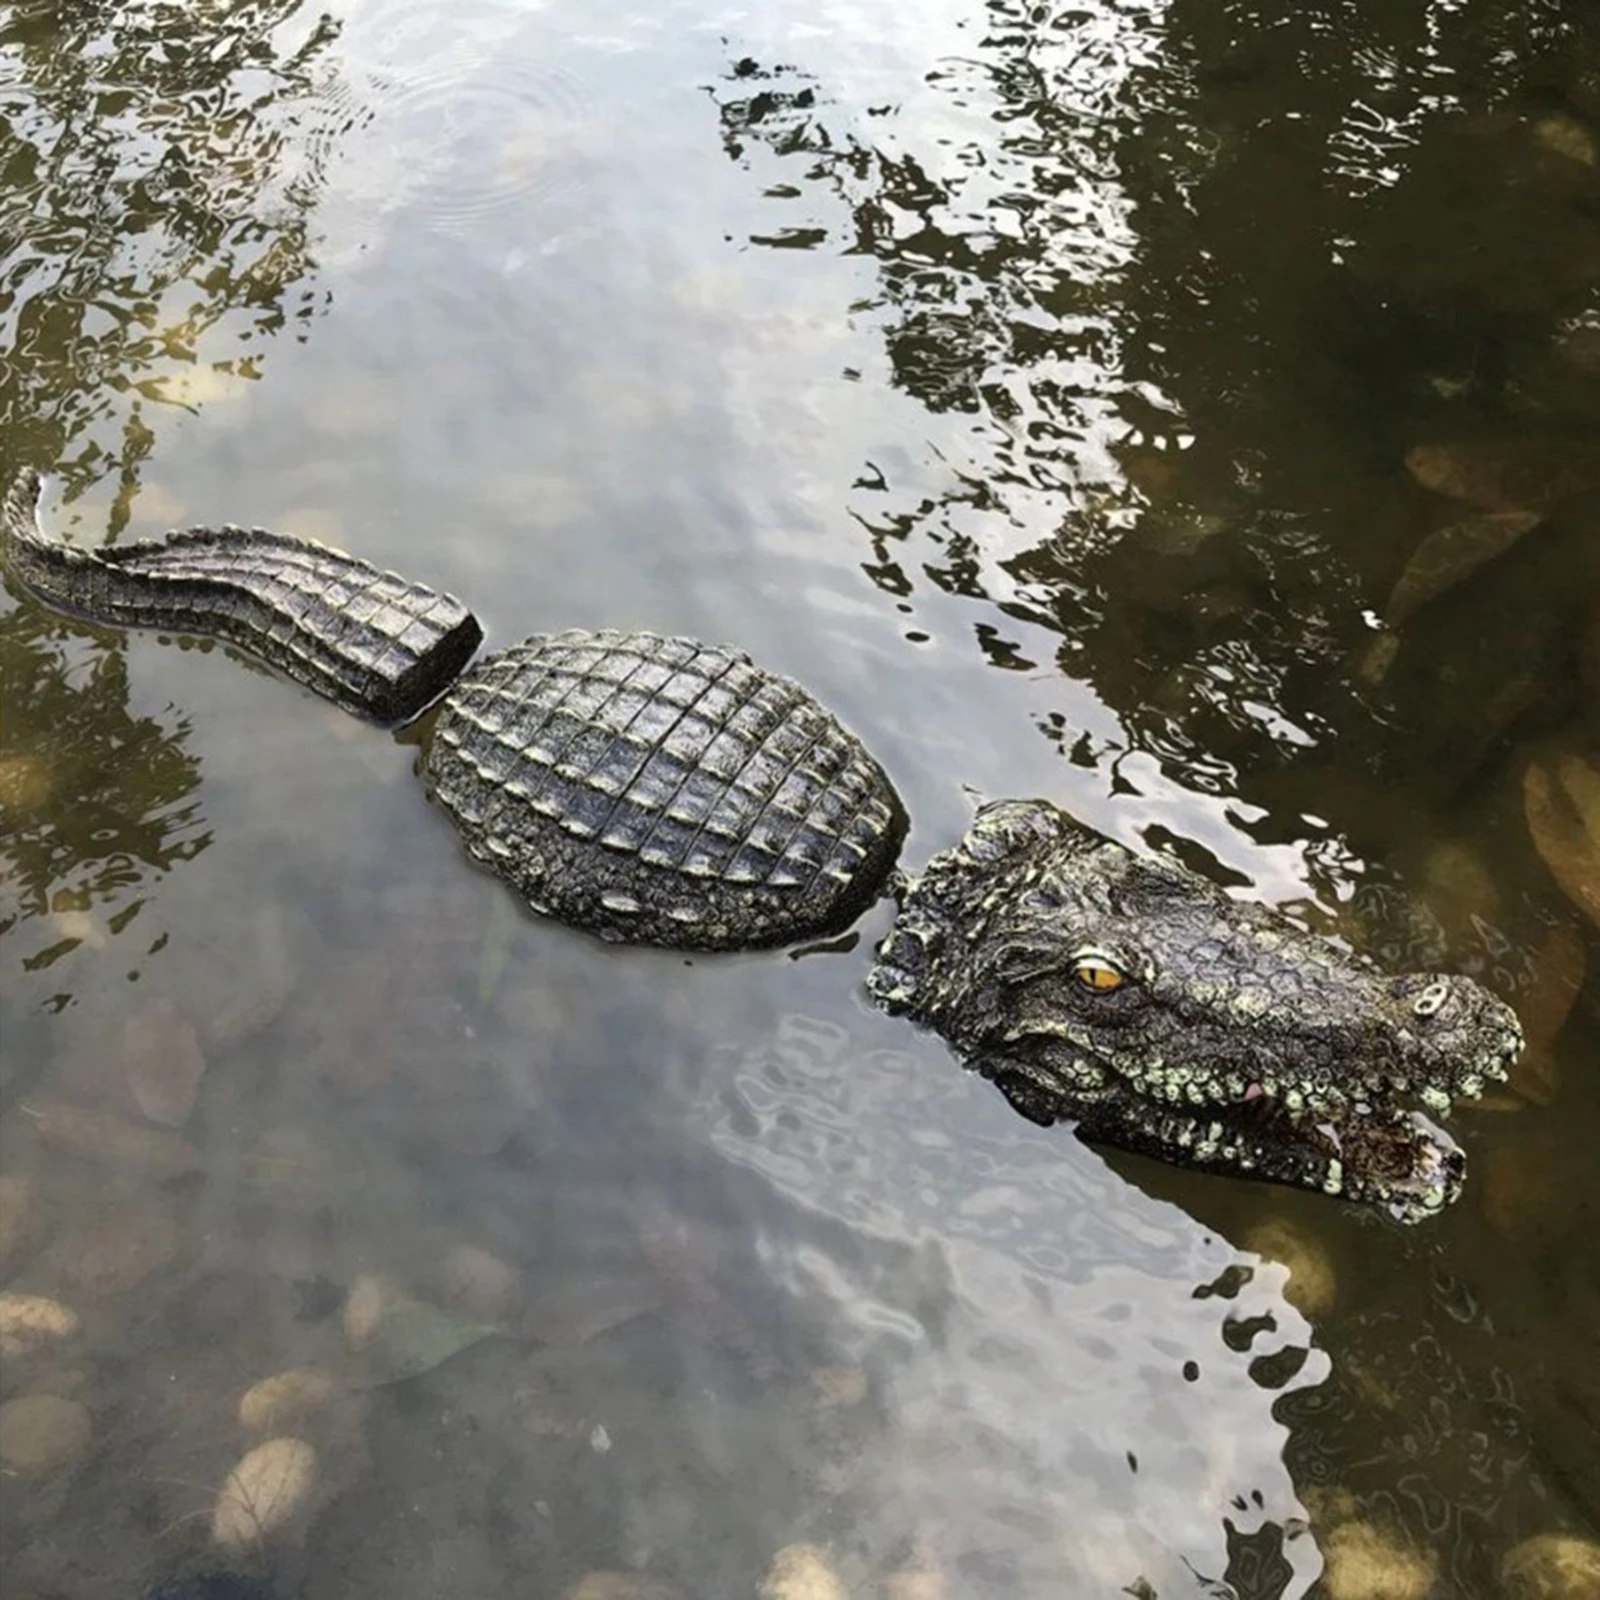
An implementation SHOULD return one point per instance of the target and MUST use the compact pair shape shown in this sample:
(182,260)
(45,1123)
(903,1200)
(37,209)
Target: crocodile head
(1133,996)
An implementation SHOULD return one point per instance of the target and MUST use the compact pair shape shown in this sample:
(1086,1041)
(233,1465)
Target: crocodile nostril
(1431,1001)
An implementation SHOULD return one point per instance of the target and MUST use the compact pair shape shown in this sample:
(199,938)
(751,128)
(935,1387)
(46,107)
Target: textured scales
(658,790)
(1132,996)
(369,641)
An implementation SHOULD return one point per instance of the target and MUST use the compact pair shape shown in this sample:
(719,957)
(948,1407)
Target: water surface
(1081,403)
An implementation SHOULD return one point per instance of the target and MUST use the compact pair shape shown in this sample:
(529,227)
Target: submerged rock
(104,1137)
(247,976)
(1552,1566)
(1518,474)
(25,783)
(1564,135)
(479,1283)
(40,1433)
(915,1583)
(30,1322)
(839,1387)
(114,1251)
(369,1298)
(1312,1287)
(1364,1562)
(163,1063)
(284,1399)
(802,1572)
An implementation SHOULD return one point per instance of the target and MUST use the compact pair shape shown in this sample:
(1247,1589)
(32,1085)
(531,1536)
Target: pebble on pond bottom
(1312,1287)
(1552,1566)
(283,1399)
(915,1583)
(30,1322)
(802,1572)
(41,1432)
(25,782)
(478,1283)
(839,1387)
(1366,1563)
(370,1298)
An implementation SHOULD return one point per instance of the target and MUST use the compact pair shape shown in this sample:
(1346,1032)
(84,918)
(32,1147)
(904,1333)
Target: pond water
(1189,412)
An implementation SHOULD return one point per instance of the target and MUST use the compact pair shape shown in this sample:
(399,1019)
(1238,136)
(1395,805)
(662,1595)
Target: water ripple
(462,122)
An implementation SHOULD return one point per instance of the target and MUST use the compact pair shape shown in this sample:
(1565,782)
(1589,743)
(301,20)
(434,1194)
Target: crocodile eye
(1097,971)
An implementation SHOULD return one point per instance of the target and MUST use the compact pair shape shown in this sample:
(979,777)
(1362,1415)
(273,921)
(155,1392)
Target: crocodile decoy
(662,791)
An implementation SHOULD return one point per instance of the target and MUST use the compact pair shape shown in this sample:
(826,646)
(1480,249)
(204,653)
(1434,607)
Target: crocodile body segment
(370,641)
(1132,996)
(662,791)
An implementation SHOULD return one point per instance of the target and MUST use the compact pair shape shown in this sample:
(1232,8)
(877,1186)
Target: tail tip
(19,512)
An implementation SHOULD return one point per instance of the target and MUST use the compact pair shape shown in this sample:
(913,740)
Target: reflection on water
(1226,375)
(1191,410)
(159,227)
(131,811)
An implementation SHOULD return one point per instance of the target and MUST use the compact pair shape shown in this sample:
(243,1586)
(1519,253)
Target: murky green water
(1191,413)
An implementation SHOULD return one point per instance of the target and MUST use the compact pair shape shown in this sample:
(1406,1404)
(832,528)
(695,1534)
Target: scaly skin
(661,791)
(1233,1041)
(369,641)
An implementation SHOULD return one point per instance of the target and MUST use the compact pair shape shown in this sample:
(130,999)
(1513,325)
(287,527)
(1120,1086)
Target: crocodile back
(657,790)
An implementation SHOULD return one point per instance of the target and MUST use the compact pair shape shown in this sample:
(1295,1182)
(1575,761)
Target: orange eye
(1098,973)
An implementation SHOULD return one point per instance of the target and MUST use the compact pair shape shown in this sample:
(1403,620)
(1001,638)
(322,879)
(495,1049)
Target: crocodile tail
(367,640)
(48,569)
(19,520)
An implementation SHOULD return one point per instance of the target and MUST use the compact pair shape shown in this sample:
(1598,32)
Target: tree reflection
(94,798)
(156,216)
(1199,319)
(154,201)
(1196,279)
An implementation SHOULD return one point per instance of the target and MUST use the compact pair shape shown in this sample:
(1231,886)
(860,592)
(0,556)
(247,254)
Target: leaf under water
(412,1338)
(1452,554)
(1561,799)
(571,1316)
(1543,1011)
(1507,474)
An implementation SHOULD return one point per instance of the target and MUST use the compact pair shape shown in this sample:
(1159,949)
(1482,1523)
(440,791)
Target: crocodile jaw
(1234,1041)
